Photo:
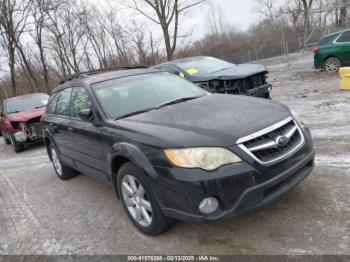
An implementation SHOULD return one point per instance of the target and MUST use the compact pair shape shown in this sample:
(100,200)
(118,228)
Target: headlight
(297,118)
(208,158)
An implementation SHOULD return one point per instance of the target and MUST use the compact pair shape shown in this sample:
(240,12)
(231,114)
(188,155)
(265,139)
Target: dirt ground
(39,214)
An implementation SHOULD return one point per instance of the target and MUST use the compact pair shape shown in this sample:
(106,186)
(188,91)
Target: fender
(48,136)
(134,154)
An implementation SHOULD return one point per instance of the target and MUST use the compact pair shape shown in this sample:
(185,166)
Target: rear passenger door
(88,149)
(57,123)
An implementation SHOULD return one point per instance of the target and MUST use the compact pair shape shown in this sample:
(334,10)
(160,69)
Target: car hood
(238,72)
(213,120)
(26,115)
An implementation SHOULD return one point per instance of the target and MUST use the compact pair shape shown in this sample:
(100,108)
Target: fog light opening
(208,205)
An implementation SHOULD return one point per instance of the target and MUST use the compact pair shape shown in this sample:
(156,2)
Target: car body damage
(245,79)
(20,121)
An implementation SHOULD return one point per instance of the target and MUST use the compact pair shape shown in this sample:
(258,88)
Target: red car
(20,122)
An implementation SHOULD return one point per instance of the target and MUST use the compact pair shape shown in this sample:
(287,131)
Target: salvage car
(218,76)
(20,120)
(333,51)
(172,151)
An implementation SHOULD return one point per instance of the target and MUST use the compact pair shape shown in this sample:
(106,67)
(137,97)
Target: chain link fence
(265,51)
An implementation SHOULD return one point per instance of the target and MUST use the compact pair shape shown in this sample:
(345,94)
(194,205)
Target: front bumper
(239,188)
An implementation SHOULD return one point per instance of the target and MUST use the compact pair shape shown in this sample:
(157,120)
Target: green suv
(333,51)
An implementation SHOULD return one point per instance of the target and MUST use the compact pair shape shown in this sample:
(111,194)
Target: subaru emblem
(282,141)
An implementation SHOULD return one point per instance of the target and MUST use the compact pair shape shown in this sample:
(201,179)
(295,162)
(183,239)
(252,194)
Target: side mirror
(2,114)
(86,115)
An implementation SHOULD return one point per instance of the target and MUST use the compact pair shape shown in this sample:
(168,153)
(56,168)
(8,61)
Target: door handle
(70,129)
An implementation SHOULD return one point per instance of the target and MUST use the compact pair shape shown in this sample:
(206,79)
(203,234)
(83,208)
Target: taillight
(316,49)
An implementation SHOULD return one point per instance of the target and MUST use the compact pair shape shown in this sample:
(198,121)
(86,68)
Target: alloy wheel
(56,162)
(136,201)
(332,65)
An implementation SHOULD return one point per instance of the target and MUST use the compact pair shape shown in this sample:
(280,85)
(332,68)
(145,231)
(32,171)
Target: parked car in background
(20,120)
(333,51)
(170,150)
(218,76)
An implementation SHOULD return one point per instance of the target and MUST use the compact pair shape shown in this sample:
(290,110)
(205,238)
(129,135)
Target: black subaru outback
(172,151)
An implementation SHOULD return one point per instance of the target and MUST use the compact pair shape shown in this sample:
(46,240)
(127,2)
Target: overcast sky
(239,13)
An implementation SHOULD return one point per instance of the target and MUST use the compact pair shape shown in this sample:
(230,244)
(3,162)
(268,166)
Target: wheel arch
(123,153)
(331,56)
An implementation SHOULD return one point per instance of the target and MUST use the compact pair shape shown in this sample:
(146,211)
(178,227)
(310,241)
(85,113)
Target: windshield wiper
(136,113)
(158,107)
(13,112)
(177,101)
(39,106)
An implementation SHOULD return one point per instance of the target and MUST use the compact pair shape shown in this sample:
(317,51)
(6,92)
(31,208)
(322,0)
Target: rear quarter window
(345,37)
(326,40)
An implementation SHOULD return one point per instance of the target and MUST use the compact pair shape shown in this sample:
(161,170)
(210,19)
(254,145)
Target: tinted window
(203,65)
(26,103)
(51,105)
(345,37)
(63,102)
(80,100)
(326,40)
(131,94)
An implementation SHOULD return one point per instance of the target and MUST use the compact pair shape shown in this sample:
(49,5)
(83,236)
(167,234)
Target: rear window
(345,37)
(326,40)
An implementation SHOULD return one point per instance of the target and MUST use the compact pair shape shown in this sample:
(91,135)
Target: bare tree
(40,13)
(13,18)
(165,13)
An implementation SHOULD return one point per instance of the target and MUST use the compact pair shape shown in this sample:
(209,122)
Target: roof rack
(92,72)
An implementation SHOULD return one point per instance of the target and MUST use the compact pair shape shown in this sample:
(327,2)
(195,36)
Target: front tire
(16,146)
(332,65)
(63,172)
(139,202)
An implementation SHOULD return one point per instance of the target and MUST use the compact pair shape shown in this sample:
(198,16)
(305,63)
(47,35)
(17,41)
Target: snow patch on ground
(340,161)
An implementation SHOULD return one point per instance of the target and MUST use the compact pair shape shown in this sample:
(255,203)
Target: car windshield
(136,94)
(204,65)
(26,103)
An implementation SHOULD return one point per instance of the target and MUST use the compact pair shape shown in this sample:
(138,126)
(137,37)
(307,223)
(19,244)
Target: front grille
(274,143)
(242,86)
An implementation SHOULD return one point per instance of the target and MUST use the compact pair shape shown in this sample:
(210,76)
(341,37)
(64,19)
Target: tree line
(43,41)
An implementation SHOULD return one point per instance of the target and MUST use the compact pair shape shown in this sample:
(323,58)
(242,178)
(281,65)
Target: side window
(80,100)
(326,40)
(345,37)
(63,102)
(51,105)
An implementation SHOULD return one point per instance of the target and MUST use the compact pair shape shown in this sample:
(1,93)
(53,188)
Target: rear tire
(332,65)
(139,202)
(16,146)
(63,172)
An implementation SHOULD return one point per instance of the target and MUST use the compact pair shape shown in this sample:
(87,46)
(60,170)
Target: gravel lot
(39,214)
